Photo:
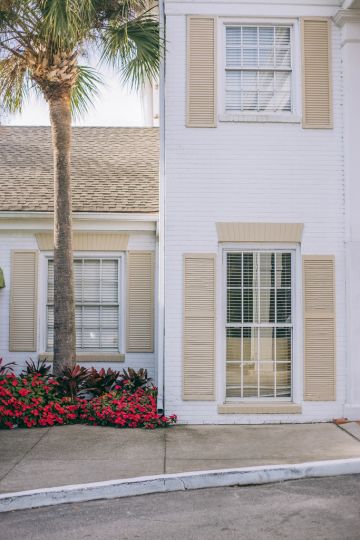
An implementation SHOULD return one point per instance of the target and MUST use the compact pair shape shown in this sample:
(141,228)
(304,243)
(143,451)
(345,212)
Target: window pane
(283,380)
(233,344)
(266,58)
(249,101)
(266,37)
(91,338)
(283,270)
(109,317)
(267,269)
(233,380)
(267,344)
(282,58)
(250,305)
(283,344)
(250,36)
(282,36)
(249,80)
(250,274)
(109,338)
(234,261)
(234,306)
(250,344)
(250,379)
(283,306)
(267,379)
(266,81)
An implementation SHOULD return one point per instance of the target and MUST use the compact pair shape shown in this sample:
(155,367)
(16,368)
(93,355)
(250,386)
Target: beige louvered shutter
(319,328)
(23,301)
(140,301)
(199,327)
(316,73)
(201,72)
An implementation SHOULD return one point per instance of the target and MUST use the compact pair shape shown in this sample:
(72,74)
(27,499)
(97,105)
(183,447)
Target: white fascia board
(87,221)
(257,10)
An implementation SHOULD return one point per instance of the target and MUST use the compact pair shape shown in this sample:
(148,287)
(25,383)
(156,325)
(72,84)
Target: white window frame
(293,116)
(297,346)
(43,289)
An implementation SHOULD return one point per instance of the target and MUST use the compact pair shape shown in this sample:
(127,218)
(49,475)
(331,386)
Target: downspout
(161,225)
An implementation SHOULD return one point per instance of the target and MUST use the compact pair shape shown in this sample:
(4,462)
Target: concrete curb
(162,483)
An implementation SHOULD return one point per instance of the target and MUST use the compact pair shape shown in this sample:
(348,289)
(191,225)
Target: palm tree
(43,46)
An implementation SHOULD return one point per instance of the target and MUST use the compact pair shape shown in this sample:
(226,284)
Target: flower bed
(35,400)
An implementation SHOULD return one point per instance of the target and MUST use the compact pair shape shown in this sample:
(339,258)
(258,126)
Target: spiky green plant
(43,47)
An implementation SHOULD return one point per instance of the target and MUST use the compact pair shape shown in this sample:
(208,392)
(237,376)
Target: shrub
(72,381)
(6,368)
(131,379)
(100,382)
(38,400)
(39,368)
(127,409)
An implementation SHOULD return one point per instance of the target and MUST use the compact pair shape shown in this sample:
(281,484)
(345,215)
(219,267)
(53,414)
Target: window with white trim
(96,304)
(258,71)
(259,324)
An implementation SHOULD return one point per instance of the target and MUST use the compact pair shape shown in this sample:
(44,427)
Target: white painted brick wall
(246,172)
(26,240)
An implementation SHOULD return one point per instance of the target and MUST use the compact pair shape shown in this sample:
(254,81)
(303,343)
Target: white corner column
(349,21)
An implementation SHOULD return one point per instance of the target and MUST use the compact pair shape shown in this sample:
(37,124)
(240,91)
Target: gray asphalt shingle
(113,169)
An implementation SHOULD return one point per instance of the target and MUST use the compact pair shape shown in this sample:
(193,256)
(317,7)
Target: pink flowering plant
(39,400)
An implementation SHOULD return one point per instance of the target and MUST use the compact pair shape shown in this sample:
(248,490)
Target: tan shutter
(316,73)
(140,301)
(23,301)
(201,72)
(199,327)
(319,328)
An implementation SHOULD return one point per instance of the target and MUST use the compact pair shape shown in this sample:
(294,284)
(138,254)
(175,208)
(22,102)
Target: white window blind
(258,68)
(97,304)
(259,325)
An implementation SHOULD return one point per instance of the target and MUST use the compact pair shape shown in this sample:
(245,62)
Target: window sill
(261,118)
(89,357)
(259,408)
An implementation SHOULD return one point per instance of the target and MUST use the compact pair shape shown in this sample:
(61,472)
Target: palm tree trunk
(64,303)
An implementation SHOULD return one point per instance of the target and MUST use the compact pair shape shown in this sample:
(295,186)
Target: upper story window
(258,69)
(96,304)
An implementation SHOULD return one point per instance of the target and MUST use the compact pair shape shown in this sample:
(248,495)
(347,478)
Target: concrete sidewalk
(50,457)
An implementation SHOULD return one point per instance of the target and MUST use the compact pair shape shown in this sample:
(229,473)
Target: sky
(115,106)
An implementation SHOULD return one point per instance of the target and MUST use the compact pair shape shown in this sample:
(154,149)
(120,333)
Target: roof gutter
(103,216)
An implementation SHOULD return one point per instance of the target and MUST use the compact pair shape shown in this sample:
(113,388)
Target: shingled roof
(113,169)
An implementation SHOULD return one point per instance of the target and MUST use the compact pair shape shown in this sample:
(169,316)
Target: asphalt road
(321,509)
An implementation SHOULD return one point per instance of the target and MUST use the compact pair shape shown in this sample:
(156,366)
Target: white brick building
(242,295)
(259,206)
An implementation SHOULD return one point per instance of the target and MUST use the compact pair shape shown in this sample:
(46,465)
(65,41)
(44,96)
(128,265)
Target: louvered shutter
(199,327)
(140,301)
(201,72)
(316,73)
(23,301)
(319,328)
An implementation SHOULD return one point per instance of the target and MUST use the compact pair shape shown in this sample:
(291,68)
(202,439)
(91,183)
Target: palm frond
(134,48)
(65,22)
(85,89)
(14,84)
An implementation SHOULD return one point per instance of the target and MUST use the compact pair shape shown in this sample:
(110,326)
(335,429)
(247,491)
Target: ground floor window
(97,304)
(259,324)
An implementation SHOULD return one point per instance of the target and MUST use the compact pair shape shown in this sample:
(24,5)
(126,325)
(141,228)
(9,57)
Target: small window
(258,69)
(97,304)
(259,325)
